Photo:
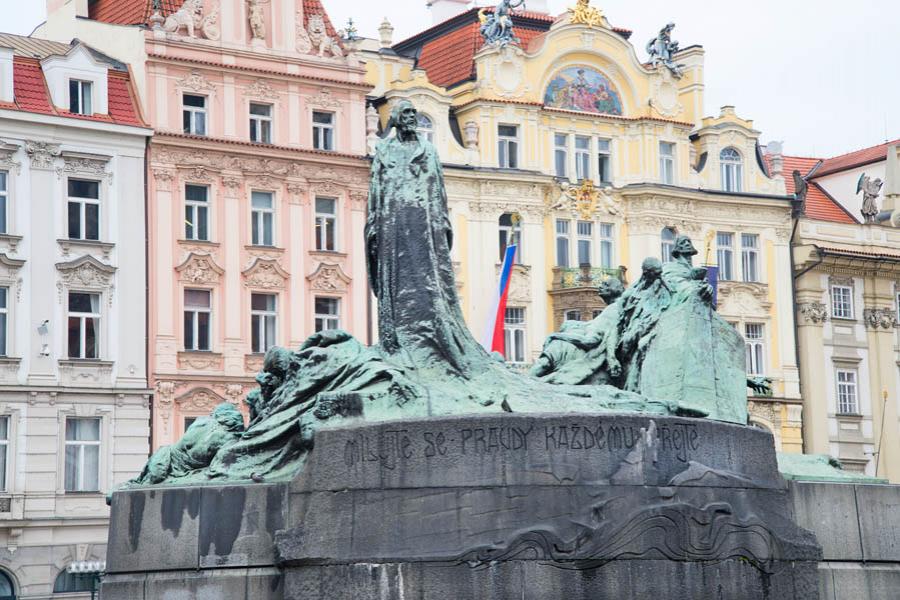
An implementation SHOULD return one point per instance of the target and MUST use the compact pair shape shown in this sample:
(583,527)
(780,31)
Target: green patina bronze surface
(819,467)
(428,363)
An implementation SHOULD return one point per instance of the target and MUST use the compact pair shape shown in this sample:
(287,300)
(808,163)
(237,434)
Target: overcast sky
(821,75)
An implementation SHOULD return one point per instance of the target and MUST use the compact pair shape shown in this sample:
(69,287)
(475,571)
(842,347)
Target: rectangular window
(4,450)
(847,393)
(82,455)
(898,307)
(514,335)
(4,202)
(582,157)
(263,321)
(261,123)
(84,325)
(193,114)
(196,212)
(667,163)
(750,256)
(508,136)
(197,319)
(725,255)
(262,218)
(754,338)
(4,318)
(573,315)
(188,421)
(84,209)
(80,99)
(510,233)
(585,242)
(328,314)
(604,161)
(562,243)
(326,223)
(842,302)
(323,130)
(561,154)
(607,245)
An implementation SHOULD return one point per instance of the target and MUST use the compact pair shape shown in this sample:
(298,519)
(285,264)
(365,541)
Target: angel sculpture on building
(871,189)
(497,27)
(662,50)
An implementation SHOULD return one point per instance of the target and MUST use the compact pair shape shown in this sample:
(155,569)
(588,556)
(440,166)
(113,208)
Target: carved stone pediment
(7,150)
(745,297)
(329,277)
(87,165)
(42,154)
(265,274)
(200,268)
(262,90)
(9,274)
(202,400)
(85,273)
(196,82)
(324,99)
(519,285)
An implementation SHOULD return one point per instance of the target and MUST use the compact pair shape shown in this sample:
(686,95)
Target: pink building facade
(257,187)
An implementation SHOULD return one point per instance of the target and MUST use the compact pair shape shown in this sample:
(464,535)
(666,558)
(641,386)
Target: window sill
(66,245)
(328,253)
(85,362)
(200,360)
(263,248)
(848,416)
(11,240)
(206,243)
(846,320)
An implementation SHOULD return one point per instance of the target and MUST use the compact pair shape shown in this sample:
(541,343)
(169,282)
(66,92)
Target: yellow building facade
(592,159)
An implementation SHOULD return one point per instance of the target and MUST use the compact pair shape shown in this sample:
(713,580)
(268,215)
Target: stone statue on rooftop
(801,188)
(871,189)
(497,26)
(662,50)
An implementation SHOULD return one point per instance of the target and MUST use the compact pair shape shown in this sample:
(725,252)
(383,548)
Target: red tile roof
(128,12)
(31,95)
(855,159)
(819,204)
(314,7)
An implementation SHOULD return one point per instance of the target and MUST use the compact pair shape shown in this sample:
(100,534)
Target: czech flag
(494,337)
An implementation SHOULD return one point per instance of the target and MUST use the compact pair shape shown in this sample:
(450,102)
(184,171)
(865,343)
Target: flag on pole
(712,276)
(494,336)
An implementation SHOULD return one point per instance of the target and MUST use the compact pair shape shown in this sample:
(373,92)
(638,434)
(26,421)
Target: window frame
(840,403)
(324,137)
(850,304)
(195,321)
(561,152)
(731,170)
(667,246)
(82,444)
(192,112)
(604,161)
(508,235)
(756,349)
(572,314)
(193,207)
(583,158)
(324,220)
(515,333)
(427,130)
(583,240)
(607,244)
(83,203)
(84,91)
(563,236)
(725,256)
(261,126)
(4,202)
(259,323)
(750,258)
(326,318)
(4,320)
(4,461)
(508,147)
(258,220)
(82,326)
(667,163)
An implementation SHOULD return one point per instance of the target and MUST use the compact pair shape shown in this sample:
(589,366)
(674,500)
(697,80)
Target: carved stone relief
(329,277)
(7,151)
(814,312)
(323,99)
(90,167)
(85,272)
(265,274)
(202,400)
(42,154)
(9,274)
(880,318)
(303,44)
(164,179)
(200,361)
(322,44)
(520,284)
(196,82)
(200,269)
(745,298)
(262,90)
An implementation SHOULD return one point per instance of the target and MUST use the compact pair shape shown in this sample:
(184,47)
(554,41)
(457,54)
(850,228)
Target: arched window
(73,582)
(7,589)
(510,233)
(426,127)
(759,425)
(668,244)
(732,170)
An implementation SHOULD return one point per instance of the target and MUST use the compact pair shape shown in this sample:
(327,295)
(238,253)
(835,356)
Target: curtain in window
(92,335)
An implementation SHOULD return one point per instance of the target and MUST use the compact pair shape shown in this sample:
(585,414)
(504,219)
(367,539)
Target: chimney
(441,10)
(776,159)
(892,179)
(81,8)
(386,32)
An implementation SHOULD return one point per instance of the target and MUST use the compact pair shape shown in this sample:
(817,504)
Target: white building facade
(74,403)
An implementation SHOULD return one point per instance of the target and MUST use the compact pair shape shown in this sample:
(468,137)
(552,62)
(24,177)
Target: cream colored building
(74,403)
(848,298)
(570,143)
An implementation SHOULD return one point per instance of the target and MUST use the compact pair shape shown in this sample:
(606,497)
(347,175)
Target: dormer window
(194,114)
(80,99)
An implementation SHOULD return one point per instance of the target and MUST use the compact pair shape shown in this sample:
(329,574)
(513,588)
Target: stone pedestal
(503,506)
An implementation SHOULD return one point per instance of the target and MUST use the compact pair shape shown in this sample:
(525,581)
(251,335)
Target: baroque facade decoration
(73,304)
(260,187)
(589,157)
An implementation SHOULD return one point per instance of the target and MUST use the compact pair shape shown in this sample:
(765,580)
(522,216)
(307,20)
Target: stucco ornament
(42,154)
(188,17)
(662,50)
(322,43)
(871,189)
(883,318)
(497,26)
(199,268)
(257,19)
(814,312)
(585,200)
(428,363)
(585,14)
(303,44)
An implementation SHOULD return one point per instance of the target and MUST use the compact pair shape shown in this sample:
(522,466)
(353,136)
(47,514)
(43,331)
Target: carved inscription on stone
(389,449)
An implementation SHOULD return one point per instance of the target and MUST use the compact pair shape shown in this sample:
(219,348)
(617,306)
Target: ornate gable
(85,273)
(329,277)
(200,269)
(265,274)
